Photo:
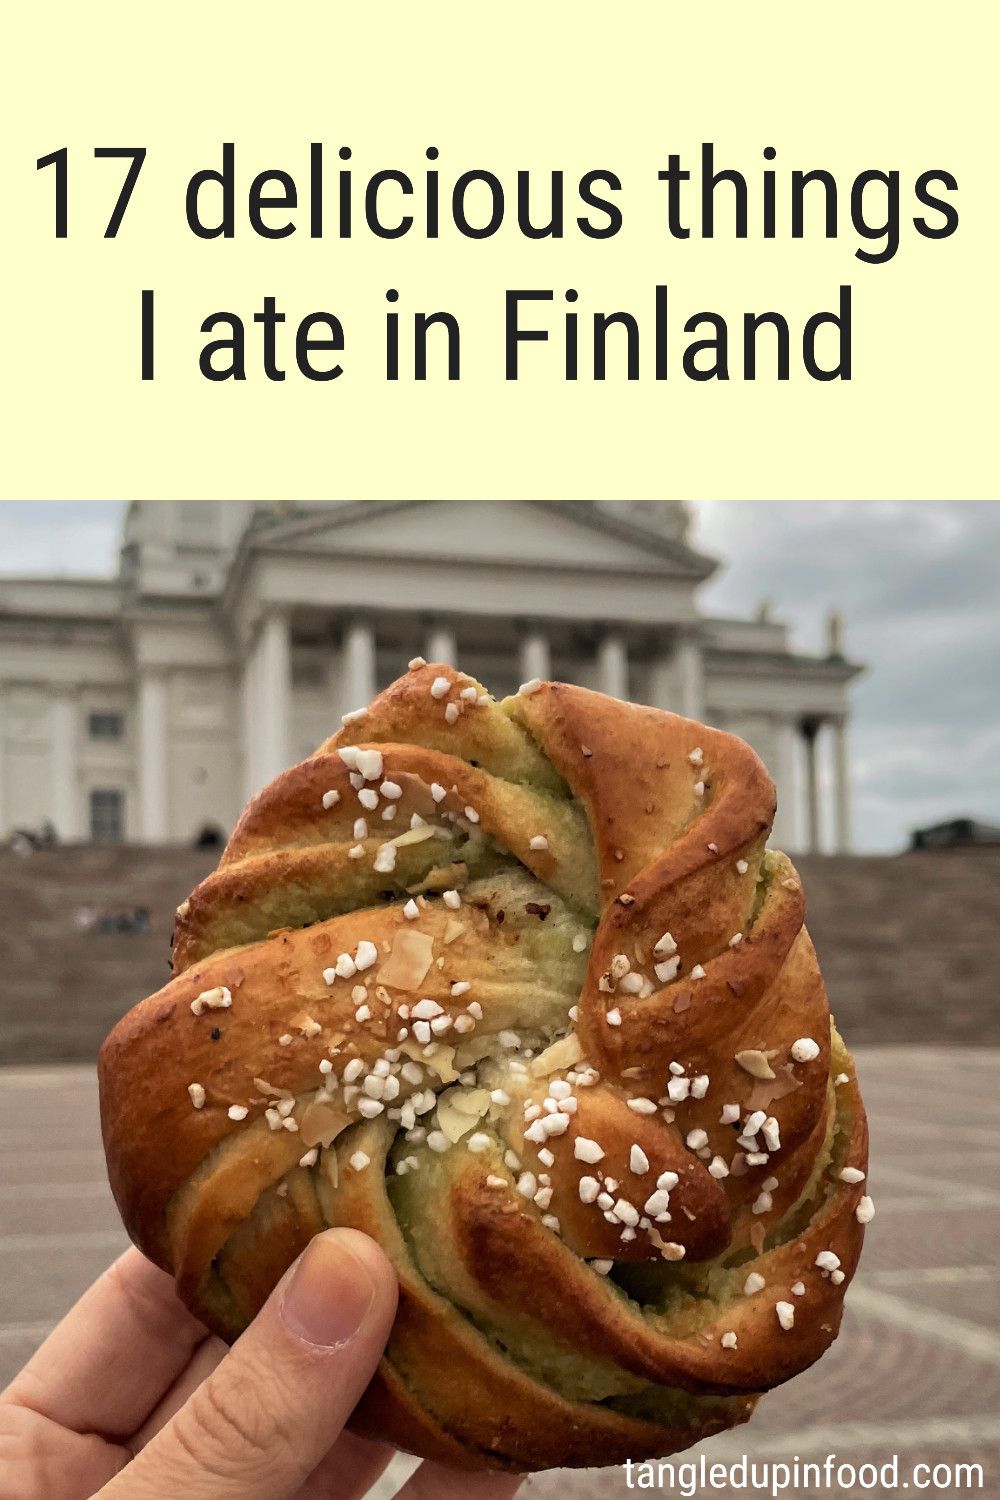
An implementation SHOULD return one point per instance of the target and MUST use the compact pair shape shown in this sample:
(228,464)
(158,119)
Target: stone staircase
(910,945)
(69,963)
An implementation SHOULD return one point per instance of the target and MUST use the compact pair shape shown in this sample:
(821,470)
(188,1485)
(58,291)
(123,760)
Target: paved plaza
(916,1371)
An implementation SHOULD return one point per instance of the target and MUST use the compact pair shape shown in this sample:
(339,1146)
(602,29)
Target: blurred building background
(146,707)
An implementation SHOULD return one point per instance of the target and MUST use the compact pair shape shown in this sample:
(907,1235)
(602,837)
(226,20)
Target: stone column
(662,690)
(273,694)
(65,789)
(440,644)
(357,675)
(841,787)
(810,732)
(612,665)
(690,678)
(785,834)
(4,812)
(249,721)
(535,659)
(152,738)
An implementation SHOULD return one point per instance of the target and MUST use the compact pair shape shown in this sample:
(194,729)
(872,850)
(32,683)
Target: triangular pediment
(514,533)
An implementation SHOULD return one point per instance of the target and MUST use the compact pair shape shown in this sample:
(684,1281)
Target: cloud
(917,583)
(76,537)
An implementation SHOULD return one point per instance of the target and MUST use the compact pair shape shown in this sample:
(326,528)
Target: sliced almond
(474,1102)
(452,930)
(413,836)
(407,964)
(269,1091)
(763,1094)
(442,878)
(755,1063)
(439,1062)
(331,1166)
(562,1054)
(459,1109)
(321,1122)
(472,1049)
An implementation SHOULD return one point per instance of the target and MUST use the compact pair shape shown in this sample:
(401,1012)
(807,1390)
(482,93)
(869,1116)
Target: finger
(348,1471)
(111,1358)
(209,1354)
(345,1473)
(439,1482)
(39,1459)
(266,1416)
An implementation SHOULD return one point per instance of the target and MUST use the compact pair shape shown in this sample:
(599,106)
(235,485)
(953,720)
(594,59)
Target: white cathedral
(148,706)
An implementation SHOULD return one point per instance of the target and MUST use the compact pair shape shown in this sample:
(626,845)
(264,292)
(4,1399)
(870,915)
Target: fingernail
(329,1294)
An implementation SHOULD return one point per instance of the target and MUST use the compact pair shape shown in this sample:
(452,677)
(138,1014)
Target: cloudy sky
(918,586)
(917,583)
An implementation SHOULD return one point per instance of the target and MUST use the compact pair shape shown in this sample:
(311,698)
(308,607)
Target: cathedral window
(105,725)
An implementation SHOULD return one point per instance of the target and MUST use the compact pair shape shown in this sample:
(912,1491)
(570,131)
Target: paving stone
(67,1166)
(80,1208)
(40,1279)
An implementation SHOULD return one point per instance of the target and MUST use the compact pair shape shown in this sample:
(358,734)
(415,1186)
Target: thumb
(261,1422)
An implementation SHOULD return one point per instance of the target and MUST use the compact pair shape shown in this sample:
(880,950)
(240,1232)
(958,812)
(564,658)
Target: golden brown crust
(516,1422)
(611,899)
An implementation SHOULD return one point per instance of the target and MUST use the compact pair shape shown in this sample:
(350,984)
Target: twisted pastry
(517,990)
